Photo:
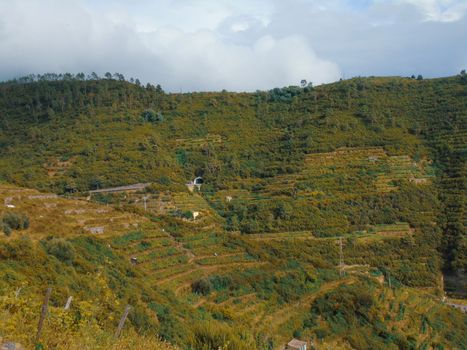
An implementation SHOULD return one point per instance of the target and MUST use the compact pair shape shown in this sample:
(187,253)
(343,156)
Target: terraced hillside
(315,202)
(256,285)
(51,214)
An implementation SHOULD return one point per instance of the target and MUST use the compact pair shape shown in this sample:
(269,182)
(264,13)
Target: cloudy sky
(241,45)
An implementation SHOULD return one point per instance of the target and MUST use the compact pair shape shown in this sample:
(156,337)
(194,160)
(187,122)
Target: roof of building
(296,343)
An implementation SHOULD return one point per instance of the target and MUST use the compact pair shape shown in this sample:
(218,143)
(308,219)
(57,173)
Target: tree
(463,76)
(283,211)
(108,76)
(119,76)
(309,87)
(201,286)
(95,184)
(68,76)
(50,113)
(150,116)
(70,186)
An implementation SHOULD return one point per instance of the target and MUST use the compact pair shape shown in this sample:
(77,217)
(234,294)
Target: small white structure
(43,196)
(195,214)
(74,211)
(296,344)
(10,206)
(190,185)
(228,199)
(95,230)
(198,181)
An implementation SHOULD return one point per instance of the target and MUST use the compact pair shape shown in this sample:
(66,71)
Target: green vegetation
(384,317)
(378,162)
(13,221)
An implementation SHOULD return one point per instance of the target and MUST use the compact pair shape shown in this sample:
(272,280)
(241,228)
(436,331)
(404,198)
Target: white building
(296,344)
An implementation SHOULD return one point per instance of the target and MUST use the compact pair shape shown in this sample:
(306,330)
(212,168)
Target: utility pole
(122,321)
(68,303)
(145,204)
(45,306)
(341,258)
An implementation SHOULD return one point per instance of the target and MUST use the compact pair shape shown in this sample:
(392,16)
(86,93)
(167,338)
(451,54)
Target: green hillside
(378,164)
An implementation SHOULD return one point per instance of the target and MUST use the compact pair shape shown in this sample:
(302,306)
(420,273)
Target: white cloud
(239,45)
(68,36)
(204,58)
(381,37)
(440,10)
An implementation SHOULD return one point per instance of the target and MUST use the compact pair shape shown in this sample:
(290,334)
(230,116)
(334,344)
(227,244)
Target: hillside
(372,166)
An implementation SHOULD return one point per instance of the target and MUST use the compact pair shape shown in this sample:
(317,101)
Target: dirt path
(177,275)
(199,257)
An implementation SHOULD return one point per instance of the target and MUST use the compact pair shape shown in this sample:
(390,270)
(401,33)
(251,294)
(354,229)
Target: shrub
(346,306)
(5,228)
(201,286)
(61,249)
(165,180)
(102,198)
(219,336)
(187,214)
(13,221)
(25,222)
(220,282)
(150,116)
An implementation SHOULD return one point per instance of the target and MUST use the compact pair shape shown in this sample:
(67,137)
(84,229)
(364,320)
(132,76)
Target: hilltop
(372,166)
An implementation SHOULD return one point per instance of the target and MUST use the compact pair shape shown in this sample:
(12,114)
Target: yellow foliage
(74,329)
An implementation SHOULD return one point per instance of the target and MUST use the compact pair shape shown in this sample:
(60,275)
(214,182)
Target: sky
(238,45)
